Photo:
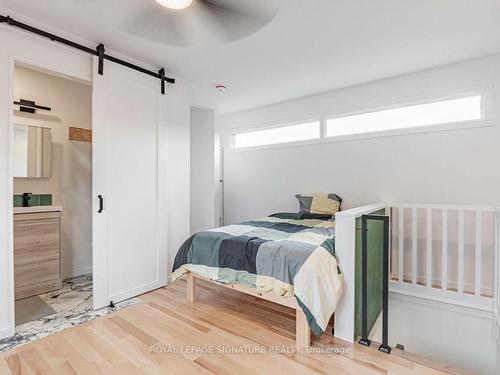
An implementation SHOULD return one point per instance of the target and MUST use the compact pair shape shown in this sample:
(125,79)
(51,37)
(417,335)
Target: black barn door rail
(99,51)
(384,347)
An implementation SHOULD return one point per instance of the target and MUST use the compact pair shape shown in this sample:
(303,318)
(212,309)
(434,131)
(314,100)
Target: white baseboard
(446,298)
(77,272)
(441,304)
(437,281)
(6,332)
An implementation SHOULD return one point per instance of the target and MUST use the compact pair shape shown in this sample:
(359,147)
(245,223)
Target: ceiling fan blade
(236,19)
(204,22)
(161,26)
(260,9)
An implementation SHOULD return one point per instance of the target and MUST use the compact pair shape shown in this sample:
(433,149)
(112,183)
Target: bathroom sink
(29,210)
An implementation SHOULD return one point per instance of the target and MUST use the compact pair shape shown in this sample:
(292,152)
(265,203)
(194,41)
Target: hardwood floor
(134,341)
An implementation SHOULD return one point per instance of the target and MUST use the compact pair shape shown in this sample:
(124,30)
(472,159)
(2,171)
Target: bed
(286,258)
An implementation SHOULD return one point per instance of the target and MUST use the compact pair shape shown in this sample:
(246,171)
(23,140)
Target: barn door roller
(100,53)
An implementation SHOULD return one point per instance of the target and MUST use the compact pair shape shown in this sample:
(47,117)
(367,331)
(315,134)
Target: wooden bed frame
(345,249)
(302,331)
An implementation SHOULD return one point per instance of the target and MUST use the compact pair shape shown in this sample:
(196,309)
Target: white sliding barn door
(129,143)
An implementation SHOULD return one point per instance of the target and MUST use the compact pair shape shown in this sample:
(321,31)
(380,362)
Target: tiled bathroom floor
(73,306)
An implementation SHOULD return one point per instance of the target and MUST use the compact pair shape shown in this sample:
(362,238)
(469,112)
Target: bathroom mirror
(32,151)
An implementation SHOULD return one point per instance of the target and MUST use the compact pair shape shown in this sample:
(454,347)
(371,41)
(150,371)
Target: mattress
(291,254)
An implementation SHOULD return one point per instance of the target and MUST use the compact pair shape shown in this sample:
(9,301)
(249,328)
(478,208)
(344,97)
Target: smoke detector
(220,88)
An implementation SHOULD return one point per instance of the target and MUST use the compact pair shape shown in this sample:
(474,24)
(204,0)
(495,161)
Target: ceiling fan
(191,22)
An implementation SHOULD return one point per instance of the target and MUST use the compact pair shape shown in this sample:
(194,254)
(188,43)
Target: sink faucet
(26,198)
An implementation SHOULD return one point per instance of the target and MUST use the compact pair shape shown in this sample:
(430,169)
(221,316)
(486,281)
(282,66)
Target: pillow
(319,203)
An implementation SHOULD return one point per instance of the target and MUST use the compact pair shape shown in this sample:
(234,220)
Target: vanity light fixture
(175,4)
(29,106)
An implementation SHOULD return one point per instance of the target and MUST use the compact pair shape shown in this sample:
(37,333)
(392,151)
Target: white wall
(178,167)
(71,176)
(454,335)
(443,167)
(202,169)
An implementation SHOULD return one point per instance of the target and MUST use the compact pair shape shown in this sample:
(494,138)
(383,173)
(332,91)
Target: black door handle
(101,204)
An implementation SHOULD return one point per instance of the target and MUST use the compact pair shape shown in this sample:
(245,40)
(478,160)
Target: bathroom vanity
(37,250)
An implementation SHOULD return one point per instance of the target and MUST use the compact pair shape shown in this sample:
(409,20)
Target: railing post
(478,255)
(345,245)
(364,283)
(401,243)
(496,267)
(384,347)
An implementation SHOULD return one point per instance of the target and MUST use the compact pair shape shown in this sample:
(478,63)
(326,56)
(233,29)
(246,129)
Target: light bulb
(175,4)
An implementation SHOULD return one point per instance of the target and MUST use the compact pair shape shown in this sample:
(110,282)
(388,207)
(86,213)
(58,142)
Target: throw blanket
(290,254)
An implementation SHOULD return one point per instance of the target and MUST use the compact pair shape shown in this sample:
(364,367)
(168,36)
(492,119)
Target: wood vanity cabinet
(37,253)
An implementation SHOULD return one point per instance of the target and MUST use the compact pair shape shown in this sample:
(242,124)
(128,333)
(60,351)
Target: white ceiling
(310,46)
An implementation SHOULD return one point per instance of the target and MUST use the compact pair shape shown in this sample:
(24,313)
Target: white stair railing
(448,253)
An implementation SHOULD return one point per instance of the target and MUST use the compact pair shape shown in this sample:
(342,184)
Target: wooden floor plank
(80,365)
(157,336)
(18,365)
(195,325)
(63,368)
(4,369)
(61,345)
(134,330)
(34,359)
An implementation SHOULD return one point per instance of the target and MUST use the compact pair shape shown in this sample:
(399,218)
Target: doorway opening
(52,186)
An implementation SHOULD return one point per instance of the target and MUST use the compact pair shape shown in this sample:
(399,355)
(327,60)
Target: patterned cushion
(319,203)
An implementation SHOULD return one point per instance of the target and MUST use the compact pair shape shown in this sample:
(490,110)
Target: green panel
(18,200)
(375,242)
(36,200)
(45,199)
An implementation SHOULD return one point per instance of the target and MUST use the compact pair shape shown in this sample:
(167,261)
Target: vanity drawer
(34,237)
(35,272)
(37,266)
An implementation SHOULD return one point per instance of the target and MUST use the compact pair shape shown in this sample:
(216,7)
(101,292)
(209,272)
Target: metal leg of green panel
(384,347)
(364,282)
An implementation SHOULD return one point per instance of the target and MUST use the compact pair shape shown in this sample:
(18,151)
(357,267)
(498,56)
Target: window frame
(275,125)
(486,120)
